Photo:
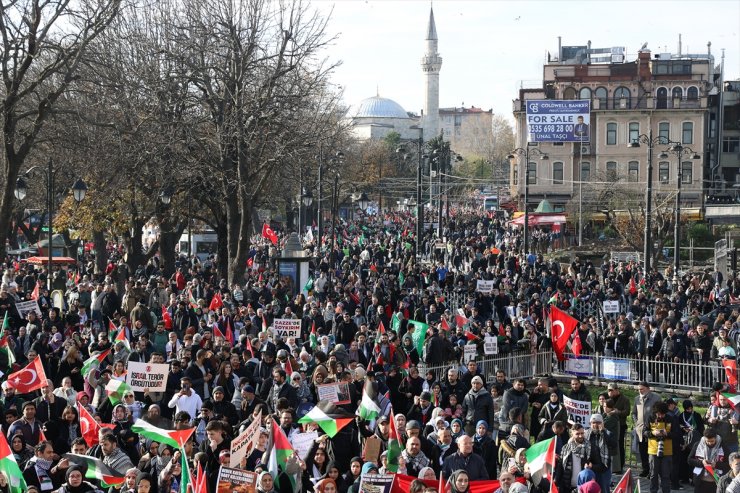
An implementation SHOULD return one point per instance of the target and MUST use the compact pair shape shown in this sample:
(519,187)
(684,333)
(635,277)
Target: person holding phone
(186,399)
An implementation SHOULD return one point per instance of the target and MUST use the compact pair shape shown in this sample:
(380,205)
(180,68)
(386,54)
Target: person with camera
(661,432)
(186,400)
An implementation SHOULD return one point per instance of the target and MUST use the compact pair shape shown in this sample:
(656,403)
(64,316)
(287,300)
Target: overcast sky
(490,47)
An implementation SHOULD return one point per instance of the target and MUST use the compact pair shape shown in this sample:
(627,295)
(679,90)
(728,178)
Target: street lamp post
(650,142)
(79,190)
(419,205)
(679,150)
(525,152)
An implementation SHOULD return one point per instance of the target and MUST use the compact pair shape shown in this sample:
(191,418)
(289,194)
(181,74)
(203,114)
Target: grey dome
(377,107)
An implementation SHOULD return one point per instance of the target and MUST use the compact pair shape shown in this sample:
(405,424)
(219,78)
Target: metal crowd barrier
(517,364)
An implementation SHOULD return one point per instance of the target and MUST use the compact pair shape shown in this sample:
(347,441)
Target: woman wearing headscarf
(459,482)
(553,411)
(484,446)
(427,473)
(302,390)
(75,482)
(22,452)
(265,483)
(326,485)
(349,477)
(456,429)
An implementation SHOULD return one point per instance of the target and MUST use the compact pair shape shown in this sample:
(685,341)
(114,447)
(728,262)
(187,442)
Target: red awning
(540,219)
(54,260)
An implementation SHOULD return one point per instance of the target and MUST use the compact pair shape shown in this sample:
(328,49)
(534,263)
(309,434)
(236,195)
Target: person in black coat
(436,351)
(215,443)
(465,459)
(200,373)
(280,388)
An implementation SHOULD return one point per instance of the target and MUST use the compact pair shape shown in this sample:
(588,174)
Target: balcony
(643,103)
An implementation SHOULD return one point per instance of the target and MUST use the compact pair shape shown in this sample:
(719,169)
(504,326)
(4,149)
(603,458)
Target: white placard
(469,352)
(490,345)
(287,327)
(151,376)
(611,306)
(302,442)
(615,369)
(25,307)
(243,445)
(484,286)
(578,411)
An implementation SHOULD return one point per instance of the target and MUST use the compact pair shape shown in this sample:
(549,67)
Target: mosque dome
(377,107)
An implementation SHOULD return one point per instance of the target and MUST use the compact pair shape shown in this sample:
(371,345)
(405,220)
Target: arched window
(611,170)
(585,93)
(569,93)
(633,171)
(622,93)
(677,93)
(661,97)
(602,95)
(557,173)
(692,93)
(664,171)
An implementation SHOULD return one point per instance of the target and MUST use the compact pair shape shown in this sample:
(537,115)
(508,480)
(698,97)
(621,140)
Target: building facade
(663,95)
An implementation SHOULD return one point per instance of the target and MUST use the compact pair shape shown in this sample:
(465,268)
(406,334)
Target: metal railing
(517,364)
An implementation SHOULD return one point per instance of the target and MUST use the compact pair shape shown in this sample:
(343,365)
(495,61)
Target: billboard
(559,120)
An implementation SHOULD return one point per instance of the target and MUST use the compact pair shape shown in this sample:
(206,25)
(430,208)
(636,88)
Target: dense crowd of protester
(459,422)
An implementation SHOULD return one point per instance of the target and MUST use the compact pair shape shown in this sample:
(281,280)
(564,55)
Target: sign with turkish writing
(469,352)
(147,376)
(578,411)
(302,442)
(611,306)
(490,345)
(24,307)
(376,483)
(336,393)
(484,286)
(287,327)
(231,480)
(558,120)
(243,445)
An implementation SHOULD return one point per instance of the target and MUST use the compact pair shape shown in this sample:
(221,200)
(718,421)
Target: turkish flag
(577,345)
(445,325)
(167,318)
(250,262)
(562,328)
(89,427)
(35,293)
(216,302)
(269,234)
(730,366)
(229,332)
(30,378)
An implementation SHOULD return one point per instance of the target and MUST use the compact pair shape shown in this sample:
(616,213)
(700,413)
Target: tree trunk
(100,251)
(222,232)
(233,220)
(238,262)
(7,196)
(134,255)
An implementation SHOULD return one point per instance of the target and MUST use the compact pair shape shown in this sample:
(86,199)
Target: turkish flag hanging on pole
(30,378)
(269,234)
(89,427)
(562,327)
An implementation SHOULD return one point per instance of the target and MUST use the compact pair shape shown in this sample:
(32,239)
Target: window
(585,93)
(633,171)
(687,172)
(611,134)
(557,173)
(692,93)
(687,133)
(677,93)
(730,144)
(634,134)
(664,171)
(558,144)
(664,132)
(515,175)
(569,93)
(662,98)
(602,95)
(585,171)
(611,170)
(619,94)
(532,173)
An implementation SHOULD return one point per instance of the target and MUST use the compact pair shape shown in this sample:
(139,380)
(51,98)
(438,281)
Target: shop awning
(540,219)
(54,260)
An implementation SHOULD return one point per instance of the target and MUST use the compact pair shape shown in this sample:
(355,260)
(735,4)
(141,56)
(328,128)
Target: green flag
(309,285)
(395,322)
(401,278)
(419,335)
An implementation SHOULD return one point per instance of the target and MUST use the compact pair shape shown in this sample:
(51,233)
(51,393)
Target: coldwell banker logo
(534,108)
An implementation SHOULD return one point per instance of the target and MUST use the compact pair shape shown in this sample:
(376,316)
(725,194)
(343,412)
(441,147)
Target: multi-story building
(668,95)
(467,129)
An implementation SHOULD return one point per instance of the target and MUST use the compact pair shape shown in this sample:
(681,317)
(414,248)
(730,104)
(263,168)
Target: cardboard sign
(371,452)
(25,307)
(578,411)
(287,327)
(243,445)
(484,286)
(336,393)
(490,345)
(376,483)
(469,352)
(302,442)
(611,306)
(236,480)
(143,376)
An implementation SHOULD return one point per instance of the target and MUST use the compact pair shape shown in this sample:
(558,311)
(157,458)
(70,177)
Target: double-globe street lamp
(526,152)
(79,189)
(419,144)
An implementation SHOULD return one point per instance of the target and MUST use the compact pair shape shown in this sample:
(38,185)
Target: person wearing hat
(221,406)
(692,428)
(621,410)
(75,481)
(600,441)
(422,408)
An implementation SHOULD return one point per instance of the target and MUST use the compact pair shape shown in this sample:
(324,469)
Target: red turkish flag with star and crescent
(269,234)
(30,378)
(562,328)
(89,427)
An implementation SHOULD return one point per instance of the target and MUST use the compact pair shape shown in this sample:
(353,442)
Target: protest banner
(376,483)
(143,376)
(484,286)
(302,442)
(336,393)
(578,411)
(469,353)
(490,345)
(287,327)
(232,480)
(243,445)
(25,307)
(611,306)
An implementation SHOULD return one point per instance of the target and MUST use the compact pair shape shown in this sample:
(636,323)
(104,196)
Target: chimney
(643,64)
(560,49)
(679,44)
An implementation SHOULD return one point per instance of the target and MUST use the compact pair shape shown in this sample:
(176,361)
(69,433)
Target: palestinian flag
(94,361)
(395,447)
(541,460)
(121,337)
(191,300)
(625,484)
(4,346)
(174,438)
(115,390)
(328,417)
(369,408)
(470,336)
(280,453)
(309,285)
(381,327)
(313,337)
(8,466)
(185,475)
(734,399)
(97,470)
(112,330)
(712,473)
(445,325)
(419,336)
(460,318)
(401,278)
